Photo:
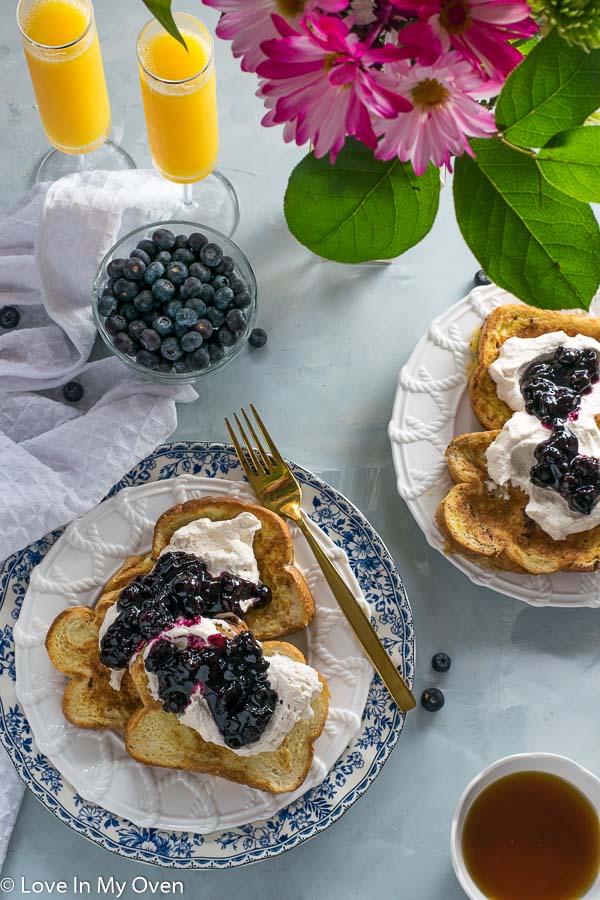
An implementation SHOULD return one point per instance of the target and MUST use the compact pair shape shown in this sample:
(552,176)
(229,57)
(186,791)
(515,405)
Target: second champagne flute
(180,106)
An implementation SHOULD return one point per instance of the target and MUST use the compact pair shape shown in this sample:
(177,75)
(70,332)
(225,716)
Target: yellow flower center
(455,16)
(290,9)
(429,93)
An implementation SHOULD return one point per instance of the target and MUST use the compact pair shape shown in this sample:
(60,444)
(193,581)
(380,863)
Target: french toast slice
(157,738)
(89,701)
(491,526)
(514,320)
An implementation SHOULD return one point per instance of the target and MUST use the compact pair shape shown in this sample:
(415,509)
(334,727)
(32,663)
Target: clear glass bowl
(243,270)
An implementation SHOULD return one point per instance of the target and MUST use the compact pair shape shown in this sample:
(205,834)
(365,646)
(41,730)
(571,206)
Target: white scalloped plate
(432,407)
(95,762)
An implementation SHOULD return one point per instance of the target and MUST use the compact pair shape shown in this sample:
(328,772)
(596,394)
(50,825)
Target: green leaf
(360,208)
(555,87)
(531,239)
(161,9)
(571,162)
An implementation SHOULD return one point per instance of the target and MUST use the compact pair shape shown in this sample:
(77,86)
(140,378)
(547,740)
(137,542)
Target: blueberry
(171,349)
(163,326)
(123,342)
(197,241)
(165,366)
(200,358)
(216,352)
(236,285)
(164,290)
(227,265)
(441,662)
(164,239)
(258,338)
(149,247)
(144,301)
(106,305)
(180,330)
(432,699)
(9,317)
(184,256)
(226,337)
(220,281)
(207,293)
(223,298)
(146,359)
(171,308)
(186,316)
(481,278)
(205,328)
(135,328)
(242,300)
(191,341)
(177,272)
(115,324)
(141,254)
(197,304)
(134,268)
(125,289)
(110,283)
(115,268)
(150,339)
(190,288)
(154,271)
(181,365)
(215,316)
(164,257)
(129,310)
(181,241)
(236,320)
(201,272)
(211,255)
(72,392)
(149,316)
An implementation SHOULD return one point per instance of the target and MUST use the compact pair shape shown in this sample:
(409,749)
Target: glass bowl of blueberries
(175,301)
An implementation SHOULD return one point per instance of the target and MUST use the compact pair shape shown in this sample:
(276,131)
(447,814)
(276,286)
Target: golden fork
(277,489)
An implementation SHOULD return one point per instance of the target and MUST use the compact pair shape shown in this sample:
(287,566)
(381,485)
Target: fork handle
(360,623)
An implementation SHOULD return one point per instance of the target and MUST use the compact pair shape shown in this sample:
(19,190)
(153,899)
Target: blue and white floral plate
(177,819)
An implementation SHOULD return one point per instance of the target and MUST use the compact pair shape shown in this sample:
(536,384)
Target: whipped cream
(296,685)
(511,456)
(224,546)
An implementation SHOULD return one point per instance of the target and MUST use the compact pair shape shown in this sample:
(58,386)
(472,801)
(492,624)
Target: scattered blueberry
(129,311)
(164,239)
(223,298)
(163,325)
(190,288)
(236,320)
(211,255)
(197,241)
(441,662)
(186,316)
(172,307)
(72,392)
(115,268)
(481,278)
(220,281)
(123,342)
(154,271)
(115,323)
(146,359)
(215,316)
(125,289)
(205,328)
(164,257)
(135,328)
(171,349)
(201,358)
(258,338)
(141,254)
(164,290)
(432,699)
(226,337)
(149,247)
(191,341)
(177,272)
(181,241)
(106,305)
(242,300)
(144,301)
(216,352)
(150,339)
(184,256)
(197,304)
(201,272)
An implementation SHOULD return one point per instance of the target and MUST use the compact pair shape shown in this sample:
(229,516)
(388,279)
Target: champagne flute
(180,105)
(62,50)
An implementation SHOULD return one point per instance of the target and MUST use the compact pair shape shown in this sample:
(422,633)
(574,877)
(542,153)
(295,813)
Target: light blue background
(522,678)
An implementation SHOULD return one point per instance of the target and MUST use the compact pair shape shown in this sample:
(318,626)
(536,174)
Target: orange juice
(180,100)
(63,55)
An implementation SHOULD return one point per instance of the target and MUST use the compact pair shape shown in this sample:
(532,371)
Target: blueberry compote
(552,390)
(231,674)
(178,587)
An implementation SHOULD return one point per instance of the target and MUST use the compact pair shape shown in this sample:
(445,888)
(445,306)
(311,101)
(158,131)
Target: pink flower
(444,113)
(247,23)
(479,29)
(321,82)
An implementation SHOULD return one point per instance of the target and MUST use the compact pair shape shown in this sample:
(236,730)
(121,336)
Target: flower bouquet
(389,92)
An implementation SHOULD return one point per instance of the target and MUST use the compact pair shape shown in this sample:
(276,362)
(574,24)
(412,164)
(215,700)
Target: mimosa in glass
(180,105)
(63,55)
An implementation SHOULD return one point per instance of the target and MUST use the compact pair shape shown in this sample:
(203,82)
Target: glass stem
(187,194)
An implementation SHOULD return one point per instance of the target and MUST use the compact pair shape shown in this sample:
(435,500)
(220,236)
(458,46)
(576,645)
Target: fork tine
(274,451)
(260,469)
(250,473)
(266,462)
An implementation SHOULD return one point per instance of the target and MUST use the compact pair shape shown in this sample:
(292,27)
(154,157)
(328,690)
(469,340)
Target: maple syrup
(532,836)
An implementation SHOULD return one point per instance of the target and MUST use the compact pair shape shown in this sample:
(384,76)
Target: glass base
(212,201)
(109,157)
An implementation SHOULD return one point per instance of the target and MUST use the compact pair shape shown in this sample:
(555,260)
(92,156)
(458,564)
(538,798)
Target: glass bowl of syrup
(528,828)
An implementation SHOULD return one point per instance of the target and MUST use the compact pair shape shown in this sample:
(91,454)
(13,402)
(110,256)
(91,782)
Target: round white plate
(430,409)
(174,818)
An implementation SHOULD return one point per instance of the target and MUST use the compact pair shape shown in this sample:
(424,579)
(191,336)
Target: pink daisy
(247,23)
(444,115)
(320,80)
(479,29)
